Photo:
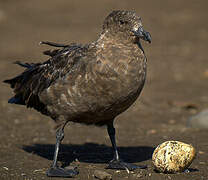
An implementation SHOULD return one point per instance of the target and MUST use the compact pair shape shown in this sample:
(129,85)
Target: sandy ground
(176,87)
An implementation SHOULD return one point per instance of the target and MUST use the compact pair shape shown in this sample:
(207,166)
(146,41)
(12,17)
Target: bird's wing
(39,76)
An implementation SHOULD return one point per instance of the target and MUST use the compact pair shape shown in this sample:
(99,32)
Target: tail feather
(12,82)
(20,79)
(27,86)
(16,100)
(8,81)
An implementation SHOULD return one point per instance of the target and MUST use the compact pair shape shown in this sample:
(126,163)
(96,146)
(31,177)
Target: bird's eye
(121,22)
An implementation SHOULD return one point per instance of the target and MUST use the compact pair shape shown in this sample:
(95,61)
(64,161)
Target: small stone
(172,121)
(39,171)
(102,175)
(199,120)
(151,131)
(202,162)
(16,121)
(71,168)
(201,152)
(6,168)
(139,175)
(173,156)
(127,170)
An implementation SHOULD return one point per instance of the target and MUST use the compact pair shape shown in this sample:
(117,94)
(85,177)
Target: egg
(173,156)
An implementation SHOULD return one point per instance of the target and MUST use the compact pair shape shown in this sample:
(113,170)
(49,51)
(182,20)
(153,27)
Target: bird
(89,84)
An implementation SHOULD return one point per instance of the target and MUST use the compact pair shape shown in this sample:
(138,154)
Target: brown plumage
(91,83)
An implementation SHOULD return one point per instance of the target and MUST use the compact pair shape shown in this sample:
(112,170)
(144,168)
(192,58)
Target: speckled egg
(173,156)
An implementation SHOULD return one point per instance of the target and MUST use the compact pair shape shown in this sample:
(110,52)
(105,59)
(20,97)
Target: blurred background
(174,95)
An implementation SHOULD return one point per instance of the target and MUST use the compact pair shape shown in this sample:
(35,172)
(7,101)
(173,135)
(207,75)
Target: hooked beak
(141,33)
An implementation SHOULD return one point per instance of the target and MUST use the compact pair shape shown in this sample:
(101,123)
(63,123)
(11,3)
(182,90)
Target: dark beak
(141,33)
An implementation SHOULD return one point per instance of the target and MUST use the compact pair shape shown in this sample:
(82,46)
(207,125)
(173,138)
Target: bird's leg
(55,170)
(117,163)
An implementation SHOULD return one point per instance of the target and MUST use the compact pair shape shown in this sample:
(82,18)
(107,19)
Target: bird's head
(126,24)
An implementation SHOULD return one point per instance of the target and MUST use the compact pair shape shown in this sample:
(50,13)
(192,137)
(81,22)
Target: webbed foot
(120,165)
(61,172)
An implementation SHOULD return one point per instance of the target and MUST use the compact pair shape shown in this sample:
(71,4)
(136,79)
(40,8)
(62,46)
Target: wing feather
(39,76)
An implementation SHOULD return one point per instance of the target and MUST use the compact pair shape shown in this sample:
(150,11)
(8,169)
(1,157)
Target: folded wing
(39,76)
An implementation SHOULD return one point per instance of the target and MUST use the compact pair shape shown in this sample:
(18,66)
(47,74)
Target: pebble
(199,120)
(173,156)
(102,175)
(6,168)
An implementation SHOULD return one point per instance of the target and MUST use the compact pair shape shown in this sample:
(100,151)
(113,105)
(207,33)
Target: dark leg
(56,171)
(117,163)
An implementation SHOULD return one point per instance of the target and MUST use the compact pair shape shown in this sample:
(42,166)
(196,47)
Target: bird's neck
(107,40)
(116,38)
(121,55)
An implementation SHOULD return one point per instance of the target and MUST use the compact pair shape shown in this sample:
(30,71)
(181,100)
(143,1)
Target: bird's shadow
(90,152)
